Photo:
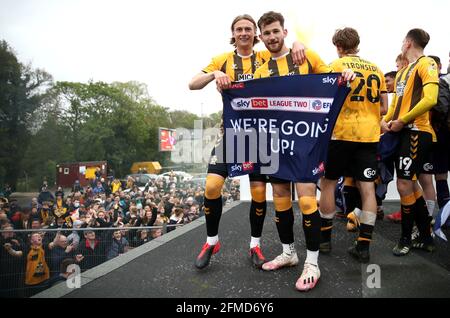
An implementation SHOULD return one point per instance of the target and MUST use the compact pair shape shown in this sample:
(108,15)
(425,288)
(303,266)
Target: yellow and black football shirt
(284,65)
(238,68)
(409,84)
(359,119)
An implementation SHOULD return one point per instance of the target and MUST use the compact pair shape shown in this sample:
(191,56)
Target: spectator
(155,233)
(35,203)
(59,192)
(59,250)
(149,216)
(192,214)
(3,218)
(45,213)
(110,174)
(116,186)
(91,251)
(132,216)
(130,182)
(77,187)
(22,221)
(74,237)
(89,195)
(45,195)
(59,203)
(168,207)
(143,237)
(37,272)
(7,190)
(98,189)
(11,263)
(175,218)
(35,223)
(34,213)
(118,246)
(98,174)
(108,202)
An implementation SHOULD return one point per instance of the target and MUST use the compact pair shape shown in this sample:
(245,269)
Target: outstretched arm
(202,79)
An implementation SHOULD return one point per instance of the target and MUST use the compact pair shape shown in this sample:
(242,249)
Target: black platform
(168,270)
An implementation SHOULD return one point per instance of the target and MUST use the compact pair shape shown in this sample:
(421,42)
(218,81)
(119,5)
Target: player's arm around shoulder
(318,65)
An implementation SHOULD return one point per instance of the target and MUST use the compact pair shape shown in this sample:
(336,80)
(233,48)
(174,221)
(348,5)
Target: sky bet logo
(243,103)
(236,167)
(260,103)
(329,80)
(319,169)
(247,166)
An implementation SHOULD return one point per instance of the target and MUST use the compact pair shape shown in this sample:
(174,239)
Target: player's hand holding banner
(281,126)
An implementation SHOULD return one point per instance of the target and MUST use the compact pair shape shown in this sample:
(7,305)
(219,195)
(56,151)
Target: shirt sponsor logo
(329,80)
(236,167)
(400,89)
(369,173)
(244,77)
(247,166)
(319,169)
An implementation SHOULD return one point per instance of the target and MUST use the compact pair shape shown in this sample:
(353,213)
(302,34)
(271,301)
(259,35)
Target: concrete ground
(166,268)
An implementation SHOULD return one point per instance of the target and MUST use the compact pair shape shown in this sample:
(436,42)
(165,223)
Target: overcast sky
(164,43)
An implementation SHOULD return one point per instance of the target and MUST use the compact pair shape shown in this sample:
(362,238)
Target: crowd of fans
(31,261)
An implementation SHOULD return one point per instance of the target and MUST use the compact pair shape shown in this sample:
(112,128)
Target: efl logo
(316,105)
(237,86)
(247,166)
(260,103)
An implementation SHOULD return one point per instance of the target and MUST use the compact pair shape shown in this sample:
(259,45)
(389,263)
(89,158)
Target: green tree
(22,90)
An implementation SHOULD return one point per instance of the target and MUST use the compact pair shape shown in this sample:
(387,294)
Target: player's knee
(258,193)
(213,188)
(282,203)
(327,184)
(281,190)
(366,189)
(408,199)
(418,193)
(404,186)
(308,205)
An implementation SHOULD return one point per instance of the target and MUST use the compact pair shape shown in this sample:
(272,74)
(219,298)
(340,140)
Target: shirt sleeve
(318,65)
(215,64)
(257,73)
(428,71)
(391,109)
(264,55)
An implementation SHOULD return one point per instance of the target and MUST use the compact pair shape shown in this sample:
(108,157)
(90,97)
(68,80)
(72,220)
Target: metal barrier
(34,260)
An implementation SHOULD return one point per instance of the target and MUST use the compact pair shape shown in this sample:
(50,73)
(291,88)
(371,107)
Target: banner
(281,126)
(167,139)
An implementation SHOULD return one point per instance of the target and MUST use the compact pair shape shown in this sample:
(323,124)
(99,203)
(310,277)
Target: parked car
(180,175)
(141,179)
